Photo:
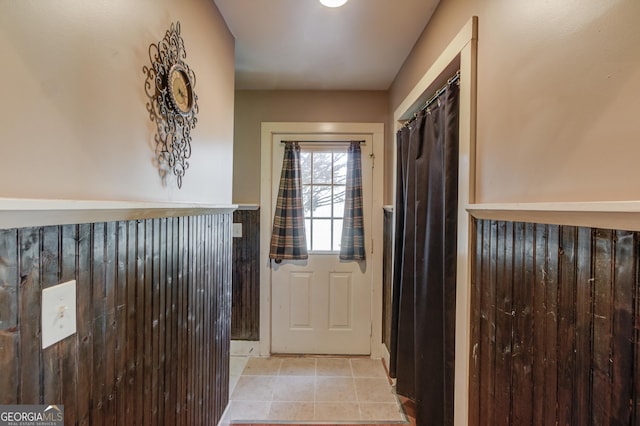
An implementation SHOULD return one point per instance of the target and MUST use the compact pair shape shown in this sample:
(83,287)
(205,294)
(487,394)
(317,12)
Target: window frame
(325,148)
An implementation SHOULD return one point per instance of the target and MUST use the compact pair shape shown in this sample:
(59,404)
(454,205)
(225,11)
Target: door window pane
(306,200)
(323,193)
(322,201)
(338,201)
(321,234)
(340,168)
(337,234)
(322,167)
(305,167)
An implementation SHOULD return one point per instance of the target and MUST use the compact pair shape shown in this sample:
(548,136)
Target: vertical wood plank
(84,318)
(141,275)
(172,342)
(69,346)
(551,327)
(209,337)
(121,342)
(188,278)
(503,323)
(204,352)
(223,310)
(9,362)
(148,323)
(154,325)
(488,329)
(110,266)
(539,315)
(523,283)
(208,340)
(566,324)
(9,306)
(8,279)
(623,334)
(209,320)
(204,346)
(503,281)
(178,317)
(163,329)
(582,395)
(29,318)
(224,293)
(217,236)
(49,276)
(238,311)
(602,326)
(224,315)
(476,318)
(194,274)
(200,345)
(223,276)
(99,321)
(183,326)
(191,307)
(131,410)
(195,300)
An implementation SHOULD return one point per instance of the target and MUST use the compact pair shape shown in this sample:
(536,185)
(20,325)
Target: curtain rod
(432,99)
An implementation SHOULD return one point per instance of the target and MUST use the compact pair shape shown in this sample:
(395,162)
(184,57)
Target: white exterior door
(323,305)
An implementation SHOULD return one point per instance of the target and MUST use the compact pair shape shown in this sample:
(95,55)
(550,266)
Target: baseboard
(385,355)
(245,348)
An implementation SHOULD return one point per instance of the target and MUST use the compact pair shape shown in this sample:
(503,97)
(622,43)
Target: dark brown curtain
(423,311)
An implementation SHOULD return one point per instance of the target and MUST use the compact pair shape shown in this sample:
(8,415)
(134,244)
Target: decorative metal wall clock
(173,104)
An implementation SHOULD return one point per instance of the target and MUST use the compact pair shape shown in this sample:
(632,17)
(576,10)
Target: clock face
(180,89)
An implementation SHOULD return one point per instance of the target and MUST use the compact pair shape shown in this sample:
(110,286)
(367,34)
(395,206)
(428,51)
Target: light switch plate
(58,312)
(237,230)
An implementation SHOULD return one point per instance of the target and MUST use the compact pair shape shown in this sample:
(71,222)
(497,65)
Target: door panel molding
(300,292)
(341,296)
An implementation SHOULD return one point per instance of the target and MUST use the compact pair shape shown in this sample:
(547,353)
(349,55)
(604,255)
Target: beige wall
(558,96)
(254,107)
(73,111)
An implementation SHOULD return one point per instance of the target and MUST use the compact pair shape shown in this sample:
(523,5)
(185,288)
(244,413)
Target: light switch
(58,312)
(237,230)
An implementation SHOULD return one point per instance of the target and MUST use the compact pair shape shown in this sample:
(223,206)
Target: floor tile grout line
(358,402)
(315,394)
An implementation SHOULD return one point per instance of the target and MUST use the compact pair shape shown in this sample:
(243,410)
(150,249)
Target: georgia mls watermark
(31,415)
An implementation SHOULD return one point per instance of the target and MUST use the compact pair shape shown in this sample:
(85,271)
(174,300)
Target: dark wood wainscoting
(245,310)
(153,320)
(555,325)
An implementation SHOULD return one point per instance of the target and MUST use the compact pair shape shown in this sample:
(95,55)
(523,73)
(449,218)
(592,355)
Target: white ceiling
(302,45)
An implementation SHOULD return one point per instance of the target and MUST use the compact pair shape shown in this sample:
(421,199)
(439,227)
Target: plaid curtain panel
(352,244)
(288,240)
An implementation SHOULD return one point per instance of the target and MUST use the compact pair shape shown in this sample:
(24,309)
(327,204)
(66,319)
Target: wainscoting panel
(555,325)
(245,317)
(153,320)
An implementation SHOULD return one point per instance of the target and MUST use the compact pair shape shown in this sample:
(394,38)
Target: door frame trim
(268,129)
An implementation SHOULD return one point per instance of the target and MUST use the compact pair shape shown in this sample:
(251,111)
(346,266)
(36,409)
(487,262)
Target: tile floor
(312,389)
